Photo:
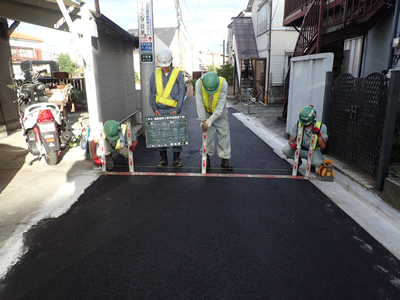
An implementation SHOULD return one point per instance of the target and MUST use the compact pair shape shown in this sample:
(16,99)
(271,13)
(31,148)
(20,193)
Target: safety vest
(120,143)
(215,98)
(317,124)
(163,95)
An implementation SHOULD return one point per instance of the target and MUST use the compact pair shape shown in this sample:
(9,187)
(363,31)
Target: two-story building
(260,48)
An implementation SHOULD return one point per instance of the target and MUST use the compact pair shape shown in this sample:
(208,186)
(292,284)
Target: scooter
(43,124)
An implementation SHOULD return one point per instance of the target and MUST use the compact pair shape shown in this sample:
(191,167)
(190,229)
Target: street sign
(146,39)
(146,57)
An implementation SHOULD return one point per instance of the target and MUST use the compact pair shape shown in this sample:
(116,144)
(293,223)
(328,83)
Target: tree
(211,69)
(226,71)
(66,64)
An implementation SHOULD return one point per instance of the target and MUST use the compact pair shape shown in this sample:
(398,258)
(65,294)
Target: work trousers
(221,127)
(316,160)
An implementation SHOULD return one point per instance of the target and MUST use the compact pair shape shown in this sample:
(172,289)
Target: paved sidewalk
(32,193)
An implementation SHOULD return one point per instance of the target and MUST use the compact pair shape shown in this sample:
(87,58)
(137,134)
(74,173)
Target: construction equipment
(297,152)
(326,171)
(204,154)
(130,153)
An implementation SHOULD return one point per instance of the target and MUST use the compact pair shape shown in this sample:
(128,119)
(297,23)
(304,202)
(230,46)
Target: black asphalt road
(159,237)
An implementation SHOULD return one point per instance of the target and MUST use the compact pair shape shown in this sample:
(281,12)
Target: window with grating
(262,19)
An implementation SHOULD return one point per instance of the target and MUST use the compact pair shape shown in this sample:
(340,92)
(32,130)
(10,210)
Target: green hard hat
(211,82)
(111,130)
(307,115)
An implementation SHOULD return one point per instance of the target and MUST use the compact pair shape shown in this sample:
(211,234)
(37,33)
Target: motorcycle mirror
(26,65)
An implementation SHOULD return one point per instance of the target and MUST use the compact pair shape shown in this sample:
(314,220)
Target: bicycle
(247,98)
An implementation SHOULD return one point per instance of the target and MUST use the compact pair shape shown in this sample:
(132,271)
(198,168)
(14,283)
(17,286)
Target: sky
(205,22)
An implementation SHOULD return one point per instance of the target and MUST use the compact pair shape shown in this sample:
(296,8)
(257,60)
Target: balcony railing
(291,6)
(338,11)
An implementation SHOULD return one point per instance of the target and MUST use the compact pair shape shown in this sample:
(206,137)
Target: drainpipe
(395,25)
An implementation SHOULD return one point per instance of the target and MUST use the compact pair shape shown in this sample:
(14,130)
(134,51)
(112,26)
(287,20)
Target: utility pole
(179,19)
(146,47)
(223,54)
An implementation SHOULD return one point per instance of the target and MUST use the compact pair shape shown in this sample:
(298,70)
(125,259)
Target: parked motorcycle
(43,124)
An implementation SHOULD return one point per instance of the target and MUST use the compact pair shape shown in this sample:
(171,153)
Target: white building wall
(376,52)
(283,40)
(26,44)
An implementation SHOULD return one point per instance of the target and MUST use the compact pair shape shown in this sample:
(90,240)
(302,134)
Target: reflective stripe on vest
(215,98)
(317,124)
(163,95)
(120,142)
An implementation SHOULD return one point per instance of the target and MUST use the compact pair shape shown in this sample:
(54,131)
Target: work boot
(208,165)
(164,160)
(226,164)
(177,162)
(109,163)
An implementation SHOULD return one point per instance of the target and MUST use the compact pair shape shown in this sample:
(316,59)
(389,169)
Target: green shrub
(226,71)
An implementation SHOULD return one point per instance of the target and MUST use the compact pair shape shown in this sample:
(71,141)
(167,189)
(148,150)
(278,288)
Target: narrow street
(170,237)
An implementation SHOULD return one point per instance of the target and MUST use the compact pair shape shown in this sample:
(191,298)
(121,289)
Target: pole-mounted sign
(146,38)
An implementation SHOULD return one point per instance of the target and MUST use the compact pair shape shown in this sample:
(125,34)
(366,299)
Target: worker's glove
(316,131)
(132,148)
(97,161)
(294,146)
(206,124)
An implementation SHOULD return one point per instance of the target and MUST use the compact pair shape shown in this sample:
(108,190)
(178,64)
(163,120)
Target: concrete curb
(369,198)
(376,216)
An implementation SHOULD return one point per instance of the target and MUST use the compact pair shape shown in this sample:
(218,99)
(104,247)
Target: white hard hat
(164,58)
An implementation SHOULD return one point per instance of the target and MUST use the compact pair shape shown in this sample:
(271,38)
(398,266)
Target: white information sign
(146,40)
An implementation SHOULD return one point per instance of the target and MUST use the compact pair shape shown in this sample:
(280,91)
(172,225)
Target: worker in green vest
(307,120)
(167,92)
(211,92)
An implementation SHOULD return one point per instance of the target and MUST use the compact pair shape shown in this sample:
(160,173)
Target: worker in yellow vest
(167,92)
(115,143)
(211,92)
(307,120)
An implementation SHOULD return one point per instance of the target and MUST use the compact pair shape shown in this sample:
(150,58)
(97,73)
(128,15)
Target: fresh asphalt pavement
(184,237)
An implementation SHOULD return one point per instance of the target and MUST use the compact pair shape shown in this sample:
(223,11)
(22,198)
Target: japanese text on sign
(145,31)
(166,131)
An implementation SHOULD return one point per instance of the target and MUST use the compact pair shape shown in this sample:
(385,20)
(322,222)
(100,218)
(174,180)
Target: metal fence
(357,118)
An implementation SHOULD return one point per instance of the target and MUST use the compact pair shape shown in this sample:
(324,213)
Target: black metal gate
(357,112)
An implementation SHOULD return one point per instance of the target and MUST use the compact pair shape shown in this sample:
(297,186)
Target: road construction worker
(115,143)
(211,92)
(307,120)
(167,92)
